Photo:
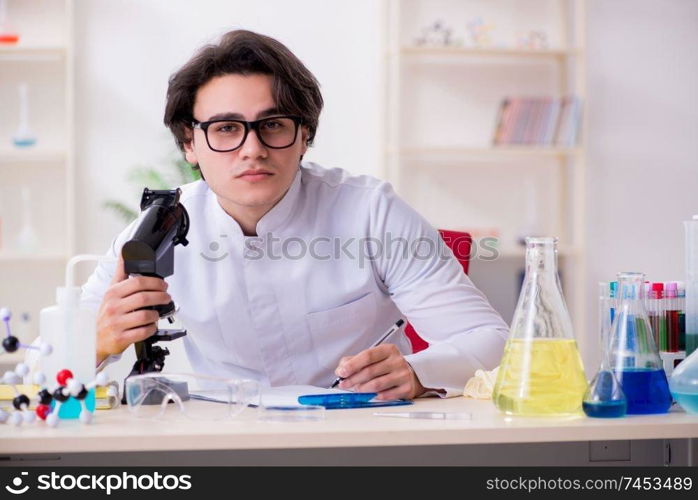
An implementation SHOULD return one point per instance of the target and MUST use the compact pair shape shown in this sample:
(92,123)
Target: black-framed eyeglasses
(276,132)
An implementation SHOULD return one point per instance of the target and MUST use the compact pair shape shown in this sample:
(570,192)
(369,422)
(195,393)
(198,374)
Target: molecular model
(68,386)
(20,401)
(11,343)
(533,40)
(437,34)
(480,32)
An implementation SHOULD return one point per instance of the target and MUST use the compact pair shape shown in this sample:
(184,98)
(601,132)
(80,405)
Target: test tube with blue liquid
(612,287)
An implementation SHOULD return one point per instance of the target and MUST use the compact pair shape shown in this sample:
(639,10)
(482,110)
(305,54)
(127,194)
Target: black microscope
(162,225)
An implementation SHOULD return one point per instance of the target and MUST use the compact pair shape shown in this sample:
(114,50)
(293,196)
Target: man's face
(253,177)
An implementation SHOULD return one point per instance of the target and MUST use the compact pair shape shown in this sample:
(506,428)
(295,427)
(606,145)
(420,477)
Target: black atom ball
(61,396)
(10,344)
(20,401)
(82,395)
(45,397)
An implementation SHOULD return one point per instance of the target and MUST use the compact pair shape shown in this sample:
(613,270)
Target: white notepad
(288,394)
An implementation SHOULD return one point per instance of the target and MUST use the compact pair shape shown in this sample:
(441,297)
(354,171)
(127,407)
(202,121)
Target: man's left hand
(382,369)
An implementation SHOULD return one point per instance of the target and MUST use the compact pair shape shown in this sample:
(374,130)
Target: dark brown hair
(295,90)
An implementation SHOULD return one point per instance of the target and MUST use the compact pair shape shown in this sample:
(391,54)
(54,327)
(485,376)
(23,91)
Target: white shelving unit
(33,52)
(478,51)
(442,103)
(43,58)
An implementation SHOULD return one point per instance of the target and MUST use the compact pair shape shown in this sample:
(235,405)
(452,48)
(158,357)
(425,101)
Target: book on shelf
(538,121)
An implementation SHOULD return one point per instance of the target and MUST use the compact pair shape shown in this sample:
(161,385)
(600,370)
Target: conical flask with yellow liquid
(541,372)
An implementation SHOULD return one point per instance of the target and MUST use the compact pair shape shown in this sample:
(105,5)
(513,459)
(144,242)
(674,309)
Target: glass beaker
(604,397)
(691,227)
(24,137)
(684,383)
(541,372)
(633,355)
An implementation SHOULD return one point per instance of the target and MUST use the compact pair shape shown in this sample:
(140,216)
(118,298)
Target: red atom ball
(63,376)
(42,411)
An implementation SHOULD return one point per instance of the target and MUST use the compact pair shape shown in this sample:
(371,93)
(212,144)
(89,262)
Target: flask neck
(631,293)
(541,257)
(632,345)
(541,311)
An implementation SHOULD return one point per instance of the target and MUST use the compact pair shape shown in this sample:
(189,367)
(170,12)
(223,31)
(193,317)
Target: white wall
(643,137)
(127,49)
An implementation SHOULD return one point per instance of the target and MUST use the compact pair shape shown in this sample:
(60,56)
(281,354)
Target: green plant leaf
(123,211)
(187,174)
(148,177)
(153,178)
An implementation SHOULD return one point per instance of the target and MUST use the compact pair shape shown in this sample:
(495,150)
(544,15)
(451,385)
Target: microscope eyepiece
(163,224)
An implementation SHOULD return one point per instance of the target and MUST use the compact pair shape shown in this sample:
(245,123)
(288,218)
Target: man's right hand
(119,322)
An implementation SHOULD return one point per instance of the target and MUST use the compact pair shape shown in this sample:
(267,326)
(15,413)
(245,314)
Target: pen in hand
(396,326)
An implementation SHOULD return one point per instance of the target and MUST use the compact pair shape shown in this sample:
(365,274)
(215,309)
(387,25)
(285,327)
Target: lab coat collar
(225,224)
(272,220)
(279,213)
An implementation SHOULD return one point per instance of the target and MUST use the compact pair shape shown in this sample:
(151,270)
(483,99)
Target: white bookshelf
(440,114)
(34,156)
(32,52)
(44,59)
(18,258)
(486,52)
(488,152)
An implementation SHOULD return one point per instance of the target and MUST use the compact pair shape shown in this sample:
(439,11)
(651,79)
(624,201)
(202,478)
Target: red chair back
(460,244)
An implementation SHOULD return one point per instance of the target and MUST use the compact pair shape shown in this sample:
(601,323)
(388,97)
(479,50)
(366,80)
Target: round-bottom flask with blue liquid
(605,397)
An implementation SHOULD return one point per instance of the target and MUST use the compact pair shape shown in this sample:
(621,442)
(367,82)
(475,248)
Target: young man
(294,271)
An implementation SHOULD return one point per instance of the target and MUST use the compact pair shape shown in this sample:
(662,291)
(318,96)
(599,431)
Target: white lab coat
(285,306)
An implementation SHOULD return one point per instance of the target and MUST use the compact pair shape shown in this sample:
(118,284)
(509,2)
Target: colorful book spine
(538,121)
(501,121)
